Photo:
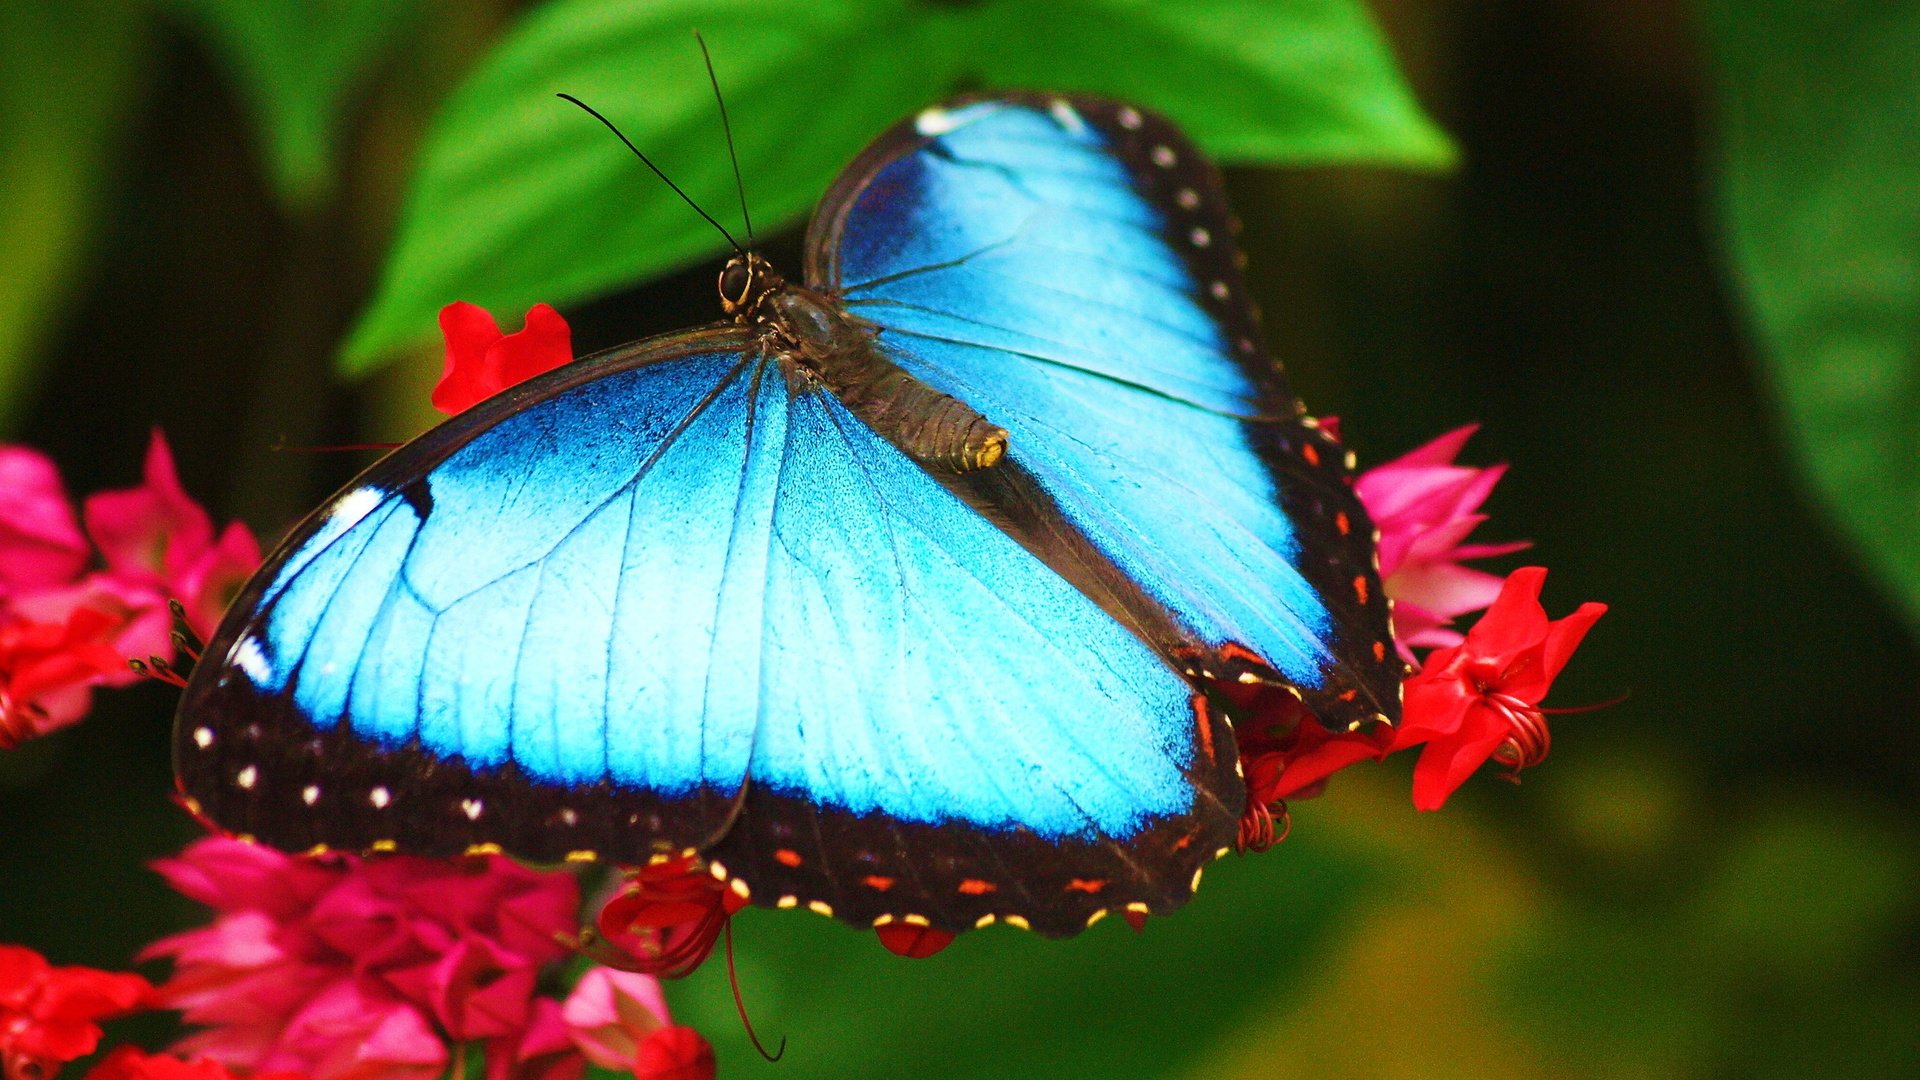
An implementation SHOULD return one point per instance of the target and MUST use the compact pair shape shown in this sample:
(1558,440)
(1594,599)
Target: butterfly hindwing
(1067,267)
(679,597)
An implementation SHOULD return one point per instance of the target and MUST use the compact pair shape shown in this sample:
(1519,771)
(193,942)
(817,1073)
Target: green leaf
(69,75)
(1820,208)
(518,199)
(297,64)
(1250,80)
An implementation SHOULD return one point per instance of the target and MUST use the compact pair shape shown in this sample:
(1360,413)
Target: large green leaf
(1820,205)
(68,75)
(519,199)
(1250,80)
(297,63)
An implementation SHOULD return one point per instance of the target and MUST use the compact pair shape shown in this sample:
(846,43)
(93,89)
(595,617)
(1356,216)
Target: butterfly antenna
(727,127)
(591,111)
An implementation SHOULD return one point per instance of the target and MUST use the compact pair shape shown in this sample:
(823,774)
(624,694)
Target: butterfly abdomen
(813,332)
(933,428)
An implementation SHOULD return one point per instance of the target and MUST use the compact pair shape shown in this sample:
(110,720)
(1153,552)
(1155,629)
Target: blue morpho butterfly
(895,596)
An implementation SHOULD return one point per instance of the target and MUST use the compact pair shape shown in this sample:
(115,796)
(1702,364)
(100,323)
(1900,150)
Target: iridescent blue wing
(677,597)
(1067,267)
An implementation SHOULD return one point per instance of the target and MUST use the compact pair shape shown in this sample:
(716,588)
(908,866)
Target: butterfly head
(745,281)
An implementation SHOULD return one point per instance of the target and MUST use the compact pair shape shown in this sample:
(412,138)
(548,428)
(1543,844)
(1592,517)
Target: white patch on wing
(353,506)
(933,122)
(248,657)
(1068,117)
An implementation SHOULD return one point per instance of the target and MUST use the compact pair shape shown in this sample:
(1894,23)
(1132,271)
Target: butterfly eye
(735,280)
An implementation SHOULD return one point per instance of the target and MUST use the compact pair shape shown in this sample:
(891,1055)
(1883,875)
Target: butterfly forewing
(680,597)
(1067,266)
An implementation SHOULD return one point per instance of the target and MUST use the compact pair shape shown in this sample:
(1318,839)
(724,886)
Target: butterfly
(903,594)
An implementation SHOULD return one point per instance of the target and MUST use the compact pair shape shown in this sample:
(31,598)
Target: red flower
(355,969)
(1286,754)
(911,941)
(48,670)
(481,361)
(666,918)
(1480,699)
(674,1053)
(133,1063)
(1424,506)
(50,1016)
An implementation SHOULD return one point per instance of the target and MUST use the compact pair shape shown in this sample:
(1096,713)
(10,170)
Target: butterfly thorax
(816,338)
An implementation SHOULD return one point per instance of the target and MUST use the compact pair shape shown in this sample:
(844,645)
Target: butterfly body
(901,596)
(812,333)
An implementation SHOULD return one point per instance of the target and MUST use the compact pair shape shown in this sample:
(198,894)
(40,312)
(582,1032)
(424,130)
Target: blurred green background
(1671,260)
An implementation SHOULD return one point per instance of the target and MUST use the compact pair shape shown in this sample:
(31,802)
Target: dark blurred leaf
(520,200)
(1820,205)
(68,75)
(1005,1004)
(296,63)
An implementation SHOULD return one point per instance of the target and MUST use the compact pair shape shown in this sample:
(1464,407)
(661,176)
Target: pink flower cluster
(1424,506)
(76,603)
(342,968)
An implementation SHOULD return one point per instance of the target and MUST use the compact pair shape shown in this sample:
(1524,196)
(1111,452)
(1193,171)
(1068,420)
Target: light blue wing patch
(1014,265)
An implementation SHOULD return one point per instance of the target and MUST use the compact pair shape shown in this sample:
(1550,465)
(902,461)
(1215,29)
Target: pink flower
(1424,506)
(70,620)
(50,1015)
(545,1051)
(343,968)
(153,531)
(1481,699)
(40,541)
(610,1013)
(481,361)
(619,1020)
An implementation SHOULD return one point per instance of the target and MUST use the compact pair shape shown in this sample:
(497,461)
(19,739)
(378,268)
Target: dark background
(1712,879)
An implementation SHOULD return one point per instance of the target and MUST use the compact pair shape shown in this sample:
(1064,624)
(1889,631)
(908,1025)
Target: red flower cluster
(133,1063)
(75,605)
(51,1015)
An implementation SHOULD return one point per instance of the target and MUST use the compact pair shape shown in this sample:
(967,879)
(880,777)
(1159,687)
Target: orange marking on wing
(786,857)
(1204,723)
(1087,885)
(877,883)
(1313,456)
(1340,522)
(1349,695)
(1380,650)
(1360,588)
(973,886)
(1181,844)
(1233,650)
